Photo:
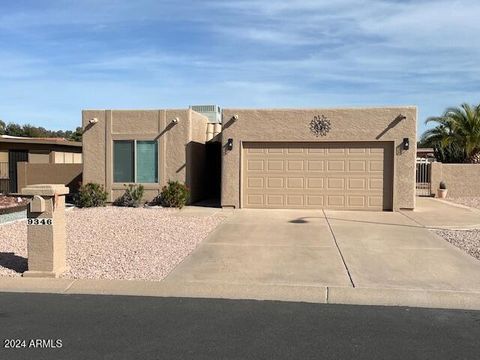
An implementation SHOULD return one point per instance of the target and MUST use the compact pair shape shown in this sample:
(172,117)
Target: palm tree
(457,134)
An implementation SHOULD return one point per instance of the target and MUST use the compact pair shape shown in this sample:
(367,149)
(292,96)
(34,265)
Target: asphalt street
(47,326)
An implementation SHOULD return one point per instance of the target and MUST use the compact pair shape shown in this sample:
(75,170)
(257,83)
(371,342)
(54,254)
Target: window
(123,167)
(147,162)
(135,161)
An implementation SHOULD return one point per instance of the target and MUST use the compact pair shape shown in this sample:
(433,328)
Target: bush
(443,185)
(90,195)
(174,194)
(132,197)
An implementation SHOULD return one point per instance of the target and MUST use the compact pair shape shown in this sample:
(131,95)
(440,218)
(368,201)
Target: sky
(59,57)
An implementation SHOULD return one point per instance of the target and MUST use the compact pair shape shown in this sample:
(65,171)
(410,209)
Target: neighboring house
(38,152)
(425,153)
(359,159)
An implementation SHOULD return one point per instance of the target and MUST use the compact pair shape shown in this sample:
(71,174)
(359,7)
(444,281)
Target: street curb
(446,299)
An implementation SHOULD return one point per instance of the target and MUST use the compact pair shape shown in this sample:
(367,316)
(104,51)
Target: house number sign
(37,221)
(320,125)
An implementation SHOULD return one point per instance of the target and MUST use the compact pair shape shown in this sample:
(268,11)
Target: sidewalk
(441,214)
(309,294)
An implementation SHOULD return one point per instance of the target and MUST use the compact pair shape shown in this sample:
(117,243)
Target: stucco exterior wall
(461,179)
(292,125)
(173,141)
(69,175)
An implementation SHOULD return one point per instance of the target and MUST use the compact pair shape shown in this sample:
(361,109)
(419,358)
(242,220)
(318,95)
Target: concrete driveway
(328,248)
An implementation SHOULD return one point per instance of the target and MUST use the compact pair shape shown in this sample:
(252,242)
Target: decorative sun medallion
(320,125)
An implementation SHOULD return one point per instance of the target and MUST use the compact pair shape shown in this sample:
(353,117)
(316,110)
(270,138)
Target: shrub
(443,185)
(132,197)
(90,195)
(174,194)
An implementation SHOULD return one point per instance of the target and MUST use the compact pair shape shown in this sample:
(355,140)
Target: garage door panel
(275,182)
(357,165)
(335,165)
(375,184)
(255,182)
(315,165)
(295,200)
(295,165)
(315,183)
(335,183)
(376,166)
(275,200)
(316,201)
(255,200)
(255,165)
(335,201)
(354,151)
(275,165)
(357,184)
(317,175)
(275,151)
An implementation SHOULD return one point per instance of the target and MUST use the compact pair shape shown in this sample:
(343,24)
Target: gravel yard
(470,201)
(467,240)
(116,243)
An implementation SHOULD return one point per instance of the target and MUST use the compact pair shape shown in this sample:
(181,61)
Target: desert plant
(443,185)
(132,197)
(174,194)
(90,195)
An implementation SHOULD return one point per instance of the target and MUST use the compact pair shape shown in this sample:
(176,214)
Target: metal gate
(423,177)
(15,156)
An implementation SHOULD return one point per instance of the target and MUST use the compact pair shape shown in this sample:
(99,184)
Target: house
(426,153)
(14,150)
(358,159)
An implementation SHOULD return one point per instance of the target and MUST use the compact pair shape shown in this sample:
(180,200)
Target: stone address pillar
(46,234)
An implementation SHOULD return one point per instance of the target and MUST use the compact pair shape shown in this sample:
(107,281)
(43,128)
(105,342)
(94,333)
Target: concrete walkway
(442,214)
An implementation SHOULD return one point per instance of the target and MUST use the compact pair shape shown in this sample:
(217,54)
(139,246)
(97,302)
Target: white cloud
(253,53)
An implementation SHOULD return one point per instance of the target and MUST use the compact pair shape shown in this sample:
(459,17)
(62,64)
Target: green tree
(75,135)
(13,130)
(456,136)
(28,130)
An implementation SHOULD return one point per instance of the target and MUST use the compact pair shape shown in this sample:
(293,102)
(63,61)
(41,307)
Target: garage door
(357,176)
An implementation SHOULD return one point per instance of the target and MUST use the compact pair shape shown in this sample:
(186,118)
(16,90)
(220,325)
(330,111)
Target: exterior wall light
(235,117)
(406,143)
(175,120)
(230,144)
(93,121)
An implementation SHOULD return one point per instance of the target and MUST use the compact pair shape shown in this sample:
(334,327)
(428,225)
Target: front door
(14,156)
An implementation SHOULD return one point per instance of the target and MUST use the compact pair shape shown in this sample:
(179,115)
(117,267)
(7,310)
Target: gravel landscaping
(11,201)
(115,243)
(467,240)
(470,201)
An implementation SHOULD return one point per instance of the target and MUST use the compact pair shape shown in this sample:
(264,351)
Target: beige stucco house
(355,159)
